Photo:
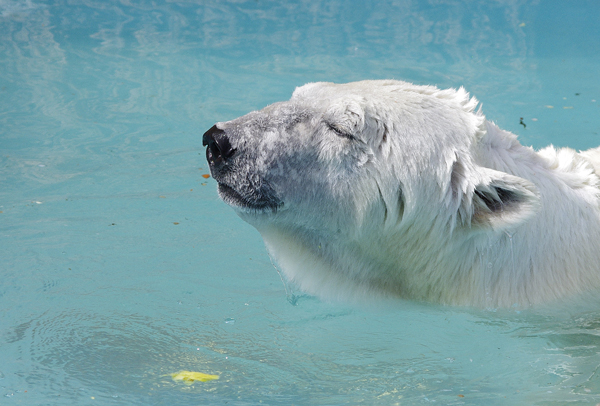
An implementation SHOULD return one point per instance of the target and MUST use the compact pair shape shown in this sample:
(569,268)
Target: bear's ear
(503,201)
(490,198)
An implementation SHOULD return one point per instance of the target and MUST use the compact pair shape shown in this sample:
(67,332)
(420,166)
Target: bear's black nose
(219,148)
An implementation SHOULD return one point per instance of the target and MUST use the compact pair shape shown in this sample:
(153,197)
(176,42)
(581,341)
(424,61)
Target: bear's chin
(255,205)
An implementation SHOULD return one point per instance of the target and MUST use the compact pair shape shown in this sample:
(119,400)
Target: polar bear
(390,188)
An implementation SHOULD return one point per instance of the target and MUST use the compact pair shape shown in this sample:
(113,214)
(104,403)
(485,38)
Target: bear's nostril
(219,147)
(225,146)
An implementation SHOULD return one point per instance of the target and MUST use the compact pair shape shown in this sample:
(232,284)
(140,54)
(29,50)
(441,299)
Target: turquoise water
(120,266)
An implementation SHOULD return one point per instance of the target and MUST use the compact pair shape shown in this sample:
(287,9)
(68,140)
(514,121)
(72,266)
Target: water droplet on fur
(512,252)
(289,294)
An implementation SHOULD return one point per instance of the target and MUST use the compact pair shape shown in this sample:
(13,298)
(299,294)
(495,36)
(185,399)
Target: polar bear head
(360,186)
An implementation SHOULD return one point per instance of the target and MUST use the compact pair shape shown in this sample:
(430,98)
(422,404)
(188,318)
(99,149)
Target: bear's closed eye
(339,132)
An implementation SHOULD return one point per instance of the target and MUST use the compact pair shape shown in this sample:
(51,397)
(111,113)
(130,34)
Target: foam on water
(120,266)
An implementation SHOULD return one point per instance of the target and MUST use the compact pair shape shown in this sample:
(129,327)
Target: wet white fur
(396,208)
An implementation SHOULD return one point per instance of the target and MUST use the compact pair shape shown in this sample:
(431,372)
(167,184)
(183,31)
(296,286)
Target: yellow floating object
(190,377)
